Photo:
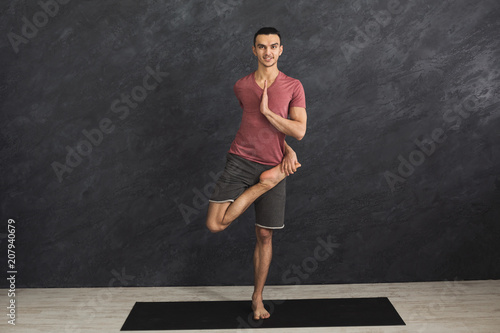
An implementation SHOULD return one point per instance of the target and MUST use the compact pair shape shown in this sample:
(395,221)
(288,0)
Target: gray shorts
(239,174)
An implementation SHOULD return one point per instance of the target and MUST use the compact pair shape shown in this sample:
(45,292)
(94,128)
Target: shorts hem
(266,227)
(221,201)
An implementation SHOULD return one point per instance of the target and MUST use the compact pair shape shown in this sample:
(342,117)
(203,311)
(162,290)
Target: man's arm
(295,126)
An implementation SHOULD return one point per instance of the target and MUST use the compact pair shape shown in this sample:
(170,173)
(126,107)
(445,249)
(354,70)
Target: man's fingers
(293,167)
(289,167)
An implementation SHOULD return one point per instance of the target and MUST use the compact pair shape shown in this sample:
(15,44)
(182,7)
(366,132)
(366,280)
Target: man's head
(266,31)
(267,46)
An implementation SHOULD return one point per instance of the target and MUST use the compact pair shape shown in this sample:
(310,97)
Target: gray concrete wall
(116,117)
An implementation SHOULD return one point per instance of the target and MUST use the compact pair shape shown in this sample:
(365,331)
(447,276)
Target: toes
(260,316)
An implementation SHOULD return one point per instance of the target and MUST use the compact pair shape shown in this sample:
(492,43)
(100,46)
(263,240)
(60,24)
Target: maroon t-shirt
(257,140)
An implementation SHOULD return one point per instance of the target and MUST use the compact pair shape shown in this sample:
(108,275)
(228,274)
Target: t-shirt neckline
(272,85)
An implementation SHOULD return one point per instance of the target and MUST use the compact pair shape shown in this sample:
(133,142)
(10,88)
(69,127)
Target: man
(259,159)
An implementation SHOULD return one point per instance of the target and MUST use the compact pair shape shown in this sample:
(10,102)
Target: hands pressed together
(264,103)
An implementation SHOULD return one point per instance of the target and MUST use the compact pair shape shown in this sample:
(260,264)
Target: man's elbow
(300,135)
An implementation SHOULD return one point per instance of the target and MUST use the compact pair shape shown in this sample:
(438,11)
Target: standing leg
(261,261)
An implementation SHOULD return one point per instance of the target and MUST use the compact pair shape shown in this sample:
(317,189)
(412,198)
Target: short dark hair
(266,31)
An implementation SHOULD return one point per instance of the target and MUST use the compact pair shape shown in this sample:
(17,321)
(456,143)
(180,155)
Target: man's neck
(266,73)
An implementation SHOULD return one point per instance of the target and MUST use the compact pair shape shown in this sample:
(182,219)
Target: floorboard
(441,307)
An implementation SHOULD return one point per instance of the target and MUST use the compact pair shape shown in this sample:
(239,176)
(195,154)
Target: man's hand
(264,103)
(295,126)
(290,163)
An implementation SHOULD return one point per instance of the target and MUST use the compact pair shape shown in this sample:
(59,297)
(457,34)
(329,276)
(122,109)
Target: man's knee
(213,227)
(264,235)
(215,216)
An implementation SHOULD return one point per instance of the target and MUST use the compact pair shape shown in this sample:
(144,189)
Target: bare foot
(273,176)
(259,311)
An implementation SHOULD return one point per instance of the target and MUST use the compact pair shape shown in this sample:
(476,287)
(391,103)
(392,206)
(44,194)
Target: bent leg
(215,215)
(220,215)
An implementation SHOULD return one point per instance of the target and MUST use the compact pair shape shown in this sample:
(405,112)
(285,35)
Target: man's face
(267,49)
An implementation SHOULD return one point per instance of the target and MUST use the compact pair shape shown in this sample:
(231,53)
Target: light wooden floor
(472,306)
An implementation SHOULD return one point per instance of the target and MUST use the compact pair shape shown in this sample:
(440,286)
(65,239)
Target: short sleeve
(237,92)
(298,96)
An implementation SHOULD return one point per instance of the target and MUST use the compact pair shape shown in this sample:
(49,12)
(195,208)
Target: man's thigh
(238,175)
(216,211)
(270,207)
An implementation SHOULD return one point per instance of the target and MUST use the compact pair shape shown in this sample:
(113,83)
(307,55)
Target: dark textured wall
(116,117)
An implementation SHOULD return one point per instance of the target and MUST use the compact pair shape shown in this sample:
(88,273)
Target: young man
(259,159)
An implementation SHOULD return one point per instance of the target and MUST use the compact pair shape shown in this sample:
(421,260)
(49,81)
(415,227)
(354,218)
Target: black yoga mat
(284,313)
